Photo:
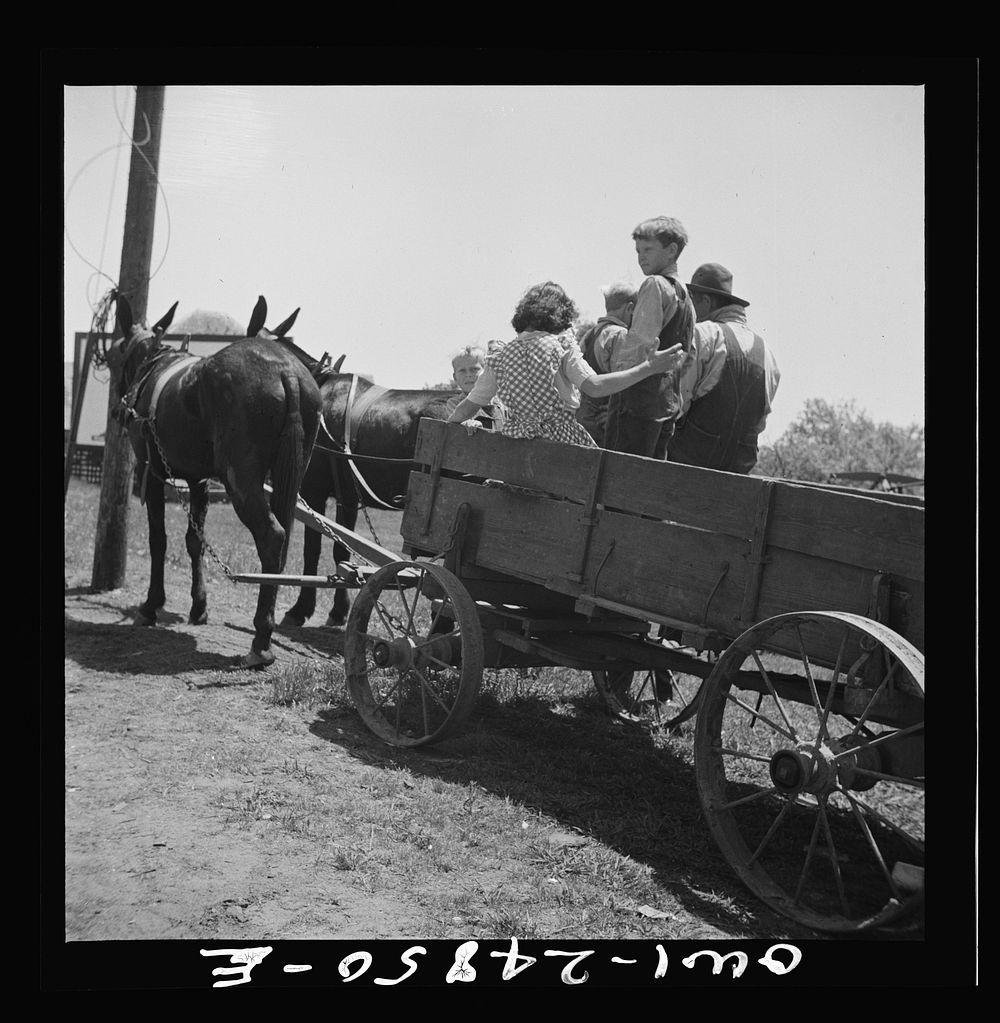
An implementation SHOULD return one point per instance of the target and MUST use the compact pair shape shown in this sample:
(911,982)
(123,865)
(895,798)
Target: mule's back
(243,396)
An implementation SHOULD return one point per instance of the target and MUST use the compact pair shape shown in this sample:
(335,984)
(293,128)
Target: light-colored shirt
(572,372)
(702,373)
(654,305)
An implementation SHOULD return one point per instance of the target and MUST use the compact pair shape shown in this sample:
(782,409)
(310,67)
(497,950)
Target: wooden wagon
(791,616)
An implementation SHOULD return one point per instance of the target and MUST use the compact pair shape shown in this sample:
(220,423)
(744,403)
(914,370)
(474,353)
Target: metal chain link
(168,474)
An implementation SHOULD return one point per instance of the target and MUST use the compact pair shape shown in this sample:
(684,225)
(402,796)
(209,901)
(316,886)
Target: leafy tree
(827,439)
(205,322)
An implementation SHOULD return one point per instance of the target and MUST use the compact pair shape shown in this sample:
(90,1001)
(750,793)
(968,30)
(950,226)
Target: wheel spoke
(442,665)
(808,861)
(411,609)
(870,838)
(809,677)
(423,707)
(752,798)
(380,703)
(774,695)
(838,878)
(916,783)
(772,829)
(831,692)
(874,697)
(427,685)
(860,804)
(790,735)
(744,756)
(881,740)
(385,615)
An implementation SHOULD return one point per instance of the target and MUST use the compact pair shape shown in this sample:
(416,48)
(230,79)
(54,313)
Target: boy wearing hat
(640,419)
(727,389)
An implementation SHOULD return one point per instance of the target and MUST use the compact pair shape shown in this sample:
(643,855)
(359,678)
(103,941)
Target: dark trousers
(637,436)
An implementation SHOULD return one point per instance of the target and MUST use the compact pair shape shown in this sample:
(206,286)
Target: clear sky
(406,221)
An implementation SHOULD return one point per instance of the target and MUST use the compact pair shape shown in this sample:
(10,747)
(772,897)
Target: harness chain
(143,420)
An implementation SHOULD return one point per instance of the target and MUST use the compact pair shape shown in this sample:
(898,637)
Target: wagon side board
(716,550)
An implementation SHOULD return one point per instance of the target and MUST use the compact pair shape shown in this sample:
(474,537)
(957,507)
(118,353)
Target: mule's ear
(339,363)
(282,329)
(124,316)
(257,318)
(160,327)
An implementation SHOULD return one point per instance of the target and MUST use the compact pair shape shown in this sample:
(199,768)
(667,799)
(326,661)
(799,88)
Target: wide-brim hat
(715,279)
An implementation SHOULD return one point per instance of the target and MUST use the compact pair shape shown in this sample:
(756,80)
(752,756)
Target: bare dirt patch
(164,738)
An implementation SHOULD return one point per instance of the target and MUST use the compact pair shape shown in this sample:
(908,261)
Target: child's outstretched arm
(666,361)
(465,412)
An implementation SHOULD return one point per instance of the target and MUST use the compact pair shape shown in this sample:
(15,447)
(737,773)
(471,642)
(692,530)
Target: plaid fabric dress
(525,371)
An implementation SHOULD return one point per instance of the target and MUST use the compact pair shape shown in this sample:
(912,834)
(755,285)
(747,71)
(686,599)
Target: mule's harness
(130,400)
(354,412)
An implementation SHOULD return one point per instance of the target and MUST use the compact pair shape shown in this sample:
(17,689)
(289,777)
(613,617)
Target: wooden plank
(527,538)
(841,527)
(914,500)
(650,568)
(359,576)
(857,528)
(643,486)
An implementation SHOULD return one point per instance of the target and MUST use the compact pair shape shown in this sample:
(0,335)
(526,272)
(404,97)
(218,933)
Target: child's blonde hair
(619,294)
(469,352)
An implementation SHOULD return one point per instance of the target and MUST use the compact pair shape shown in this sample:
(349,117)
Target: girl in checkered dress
(538,375)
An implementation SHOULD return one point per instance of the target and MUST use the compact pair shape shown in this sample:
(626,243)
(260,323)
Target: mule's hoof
(291,621)
(201,619)
(257,659)
(335,622)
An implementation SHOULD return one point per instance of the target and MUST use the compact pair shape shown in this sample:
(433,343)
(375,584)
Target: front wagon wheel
(413,653)
(810,768)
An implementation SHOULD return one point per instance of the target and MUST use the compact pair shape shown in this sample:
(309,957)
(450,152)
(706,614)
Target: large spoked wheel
(663,699)
(413,653)
(810,768)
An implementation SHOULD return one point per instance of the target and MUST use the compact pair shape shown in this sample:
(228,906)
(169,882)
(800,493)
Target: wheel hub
(393,653)
(802,769)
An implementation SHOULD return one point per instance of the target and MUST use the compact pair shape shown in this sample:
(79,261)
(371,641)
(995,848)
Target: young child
(540,373)
(466,367)
(599,343)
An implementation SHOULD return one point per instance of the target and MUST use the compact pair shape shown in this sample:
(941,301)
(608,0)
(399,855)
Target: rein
(341,452)
(350,432)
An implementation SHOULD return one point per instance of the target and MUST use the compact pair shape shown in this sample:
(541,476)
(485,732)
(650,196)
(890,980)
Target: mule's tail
(290,462)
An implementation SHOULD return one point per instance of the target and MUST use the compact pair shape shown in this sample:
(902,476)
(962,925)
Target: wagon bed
(796,609)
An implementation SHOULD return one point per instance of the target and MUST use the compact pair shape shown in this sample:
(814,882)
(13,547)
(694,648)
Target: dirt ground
(163,731)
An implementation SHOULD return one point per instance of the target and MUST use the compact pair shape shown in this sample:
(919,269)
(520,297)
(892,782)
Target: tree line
(830,438)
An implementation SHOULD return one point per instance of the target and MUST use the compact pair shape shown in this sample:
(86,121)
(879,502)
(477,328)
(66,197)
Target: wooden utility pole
(110,548)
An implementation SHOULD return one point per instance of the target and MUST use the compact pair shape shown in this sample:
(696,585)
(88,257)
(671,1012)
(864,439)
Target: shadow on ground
(572,767)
